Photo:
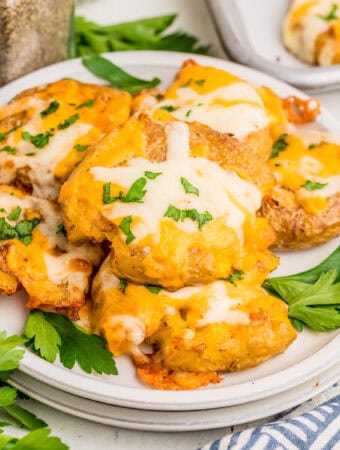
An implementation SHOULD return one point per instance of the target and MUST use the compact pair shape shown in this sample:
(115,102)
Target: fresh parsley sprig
(332,14)
(52,334)
(279,145)
(313,296)
(313,185)
(181,214)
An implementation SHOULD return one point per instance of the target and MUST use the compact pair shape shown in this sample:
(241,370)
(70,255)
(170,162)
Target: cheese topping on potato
(312,30)
(45,132)
(310,167)
(36,252)
(180,183)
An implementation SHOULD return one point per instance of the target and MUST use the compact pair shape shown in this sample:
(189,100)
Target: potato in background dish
(34,253)
(311,31)
(46,131)
(196,332)
(219,99)
(177,201)
(304,208)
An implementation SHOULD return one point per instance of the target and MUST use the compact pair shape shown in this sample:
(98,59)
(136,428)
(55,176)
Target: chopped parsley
(22,230)
(154,289)
(189,188)
(279,145)
(187,83)
(200,104)
(87,103)
(152,175)
(69,121)
(2,210)
(122,285)
(81,148)
(187,114)
(125,226)
(310,146)
(8,149)
(200,82)
(51,109)
(168,108)
(313,185)
(39,140)
(134,195)
(192,214)
(61,229)
(6,133)
(15,214)
(331,15)
(236,275)
(30,154)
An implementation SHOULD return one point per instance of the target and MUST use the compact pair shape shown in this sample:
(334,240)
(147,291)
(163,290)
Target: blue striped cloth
(318,429)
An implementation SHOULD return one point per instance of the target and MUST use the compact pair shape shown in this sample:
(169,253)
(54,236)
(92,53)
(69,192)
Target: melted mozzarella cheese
(220,308)
(236,109)
(332,187)
(222,193)
(130,328)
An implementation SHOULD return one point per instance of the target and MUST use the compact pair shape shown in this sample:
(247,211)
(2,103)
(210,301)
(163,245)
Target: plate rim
(159,400)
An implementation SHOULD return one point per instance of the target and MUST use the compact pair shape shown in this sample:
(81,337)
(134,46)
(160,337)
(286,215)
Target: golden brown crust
(296,228)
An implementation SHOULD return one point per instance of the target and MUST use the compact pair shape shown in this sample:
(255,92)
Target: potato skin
(296,228)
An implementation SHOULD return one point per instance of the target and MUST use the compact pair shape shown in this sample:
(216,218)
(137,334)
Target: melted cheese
(236,108)
(318,161)
(303,26)
(222,193)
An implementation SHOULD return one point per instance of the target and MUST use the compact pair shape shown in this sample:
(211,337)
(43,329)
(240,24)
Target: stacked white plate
(308,367)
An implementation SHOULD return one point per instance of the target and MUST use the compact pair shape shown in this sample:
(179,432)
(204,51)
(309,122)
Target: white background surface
(80,434)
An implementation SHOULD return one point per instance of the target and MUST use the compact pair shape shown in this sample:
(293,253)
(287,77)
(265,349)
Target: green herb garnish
(200,82)
(134,195)
(154,289)
(15,214)
(187,83)
(116,76)
(168,108)
(39,140)
(68,122)
(152,175)
(187,114)
(173,213)
(188,187)
(331,15)
(236,275)
(61,229)
(122,285)
(8,149)
(279,145)
(81,148)
(22,230)
(313,185)
(51,109)
(88,103)
(125,226)
(177,214)
(6,133)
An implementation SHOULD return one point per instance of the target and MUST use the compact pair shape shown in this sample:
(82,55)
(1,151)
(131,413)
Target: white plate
(309,355)
(174,421)
(251,32)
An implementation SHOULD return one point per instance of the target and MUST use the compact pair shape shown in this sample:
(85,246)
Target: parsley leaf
(61,229)
(331,15)
(187,114)
(73,342)
(125,226)
(9,354)
(177,214)
(173,213)
(122,285)
(200,82)
(88,103)
(152,175)
(313,297)
(313,185)
(168,108)
(236,275)
(187,83)
(45,339)
(22,230)
(136,192)
(15,214)
(116,76)
(53,106)
(8,396)
(279,145)
(154,289)
(68,122)
(189,188)
(24,418)
(6,133)
(39,140)
(81,148)
(35,440)
(8,149)
(107,194)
